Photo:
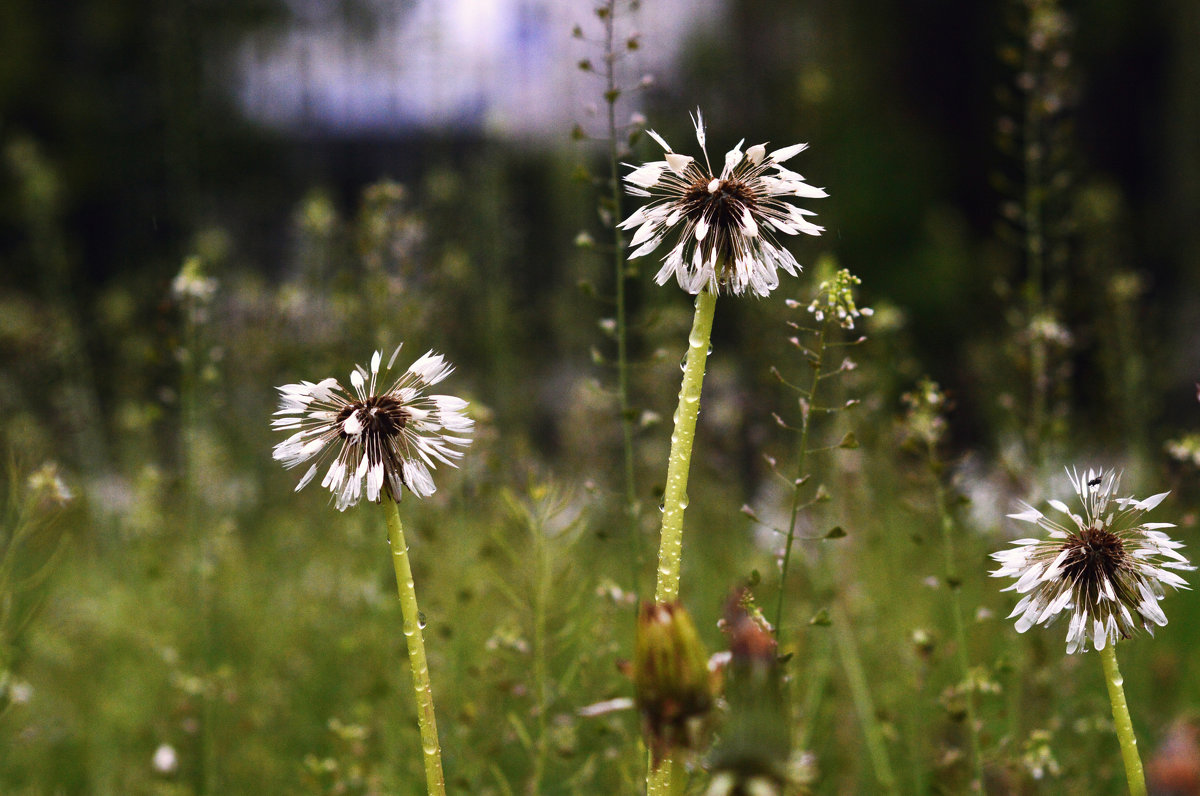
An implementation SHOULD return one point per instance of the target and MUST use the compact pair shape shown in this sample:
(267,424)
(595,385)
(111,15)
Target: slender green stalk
(541,601)
(860,694)
(1033,151)
(844,642)
(1122,722)
(611,92)
(189,407)
(675,498)
(431,750)
(954,583)
(667,779)
(818,355)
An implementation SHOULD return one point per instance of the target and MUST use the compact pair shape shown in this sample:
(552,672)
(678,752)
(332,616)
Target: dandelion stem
(675,499)
(430,748)
(665,780)
(1122,722)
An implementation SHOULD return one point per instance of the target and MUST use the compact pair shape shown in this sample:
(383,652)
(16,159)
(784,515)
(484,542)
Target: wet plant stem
(675,499)
(1122,722)
(431,750)
(611,92)
(954,583)
(666,779)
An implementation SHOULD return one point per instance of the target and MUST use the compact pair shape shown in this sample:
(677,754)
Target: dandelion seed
(388,439)
(726,220)
(1107,569)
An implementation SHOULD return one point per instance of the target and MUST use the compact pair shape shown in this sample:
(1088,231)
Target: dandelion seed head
(725,224)
(1105,567)
(381,441)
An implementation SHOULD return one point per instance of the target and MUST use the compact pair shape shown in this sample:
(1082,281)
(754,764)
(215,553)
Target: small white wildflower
(835,300)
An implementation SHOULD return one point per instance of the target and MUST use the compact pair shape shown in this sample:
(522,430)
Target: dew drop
(710,349)
(1118,681)
(421,621)
(683,362)
(662,506)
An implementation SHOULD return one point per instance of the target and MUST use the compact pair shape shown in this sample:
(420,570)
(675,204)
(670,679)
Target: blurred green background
(185,600)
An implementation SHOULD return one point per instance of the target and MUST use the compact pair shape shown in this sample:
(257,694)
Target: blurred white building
(506,68)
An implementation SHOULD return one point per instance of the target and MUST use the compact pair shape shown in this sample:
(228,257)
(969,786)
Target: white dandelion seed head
(723,225)
(381,441)
(1104,566)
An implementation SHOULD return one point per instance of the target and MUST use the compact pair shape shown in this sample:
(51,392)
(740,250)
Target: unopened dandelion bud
(671,680)
(753,753)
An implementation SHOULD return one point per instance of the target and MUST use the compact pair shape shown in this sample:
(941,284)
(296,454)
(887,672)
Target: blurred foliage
(163,265)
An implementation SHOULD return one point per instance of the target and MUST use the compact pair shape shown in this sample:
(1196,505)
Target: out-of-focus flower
(1107,568)
(190,284)
(165,760)
(753,756)
(671,680)
(387,438)
(726,221)
(1175,768)
(925,419)
(48,486)
(1185,449)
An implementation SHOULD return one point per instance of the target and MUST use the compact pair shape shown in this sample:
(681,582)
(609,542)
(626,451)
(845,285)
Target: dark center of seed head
(722,207)
(1095,552)
(380,415)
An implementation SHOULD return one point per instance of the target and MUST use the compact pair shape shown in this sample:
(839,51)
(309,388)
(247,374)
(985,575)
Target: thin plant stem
(1033,152)
(431,750)
(844,642)
(1122,722)
(675,498)
(611,92)
(541,601)
(189,406)
(818,355)
(954,583)
(860,694)
(666,779)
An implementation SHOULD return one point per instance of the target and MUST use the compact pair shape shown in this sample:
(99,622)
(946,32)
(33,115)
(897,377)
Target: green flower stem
(675,499)
(1122,722)
(860,695)
(621,276)
(801,470)
(430,748)
(666,780)
(954,583)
